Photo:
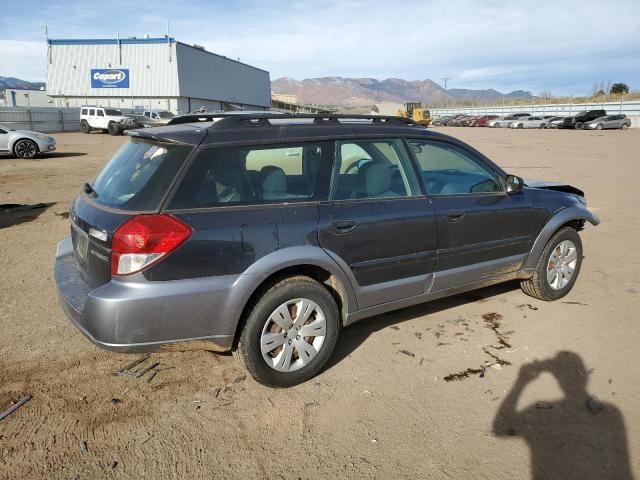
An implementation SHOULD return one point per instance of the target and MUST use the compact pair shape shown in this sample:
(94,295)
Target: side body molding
(555,222)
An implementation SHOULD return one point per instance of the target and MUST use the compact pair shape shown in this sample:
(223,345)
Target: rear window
(139,175)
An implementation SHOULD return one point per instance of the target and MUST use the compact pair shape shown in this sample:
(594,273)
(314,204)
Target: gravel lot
(383,408)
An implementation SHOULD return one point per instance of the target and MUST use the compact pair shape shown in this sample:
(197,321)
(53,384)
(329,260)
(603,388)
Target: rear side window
(373,169)
(92,112)
(100,113)
(139,175)
(450,170)
(257,174)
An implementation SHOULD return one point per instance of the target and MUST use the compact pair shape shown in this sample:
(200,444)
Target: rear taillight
(144,240)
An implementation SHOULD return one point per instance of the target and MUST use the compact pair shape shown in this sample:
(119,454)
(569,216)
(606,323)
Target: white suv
(106,119)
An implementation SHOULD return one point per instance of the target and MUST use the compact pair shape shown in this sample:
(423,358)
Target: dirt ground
(384,407)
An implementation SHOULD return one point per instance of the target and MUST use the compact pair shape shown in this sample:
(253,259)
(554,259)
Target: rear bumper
(135,315)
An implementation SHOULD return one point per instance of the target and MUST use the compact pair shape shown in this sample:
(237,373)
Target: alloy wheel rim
(293,335)
(562,264)
(26,149)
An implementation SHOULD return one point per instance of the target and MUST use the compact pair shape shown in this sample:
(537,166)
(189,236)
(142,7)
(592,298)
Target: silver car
(610,121)
(529,122)
(24,143)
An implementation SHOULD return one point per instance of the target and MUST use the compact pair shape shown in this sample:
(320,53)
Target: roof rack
(226,120)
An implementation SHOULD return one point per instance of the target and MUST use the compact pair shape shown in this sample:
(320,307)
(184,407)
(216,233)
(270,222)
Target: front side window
(92,112)
(373,169)
(450,170)
(139,175)
(257,174)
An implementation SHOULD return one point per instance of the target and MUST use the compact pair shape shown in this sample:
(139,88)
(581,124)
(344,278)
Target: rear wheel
(84,127)
(290,332)
(26,149)
(558,267)
(114,129)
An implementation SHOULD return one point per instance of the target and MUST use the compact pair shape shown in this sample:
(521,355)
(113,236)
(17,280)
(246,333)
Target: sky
(563,47)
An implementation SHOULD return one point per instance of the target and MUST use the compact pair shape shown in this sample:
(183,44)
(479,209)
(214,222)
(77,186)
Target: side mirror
(514,184)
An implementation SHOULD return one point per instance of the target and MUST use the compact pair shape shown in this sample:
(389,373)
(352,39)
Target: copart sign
(109,78)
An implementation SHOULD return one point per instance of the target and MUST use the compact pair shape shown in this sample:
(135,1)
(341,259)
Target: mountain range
(359,92)
(11,82)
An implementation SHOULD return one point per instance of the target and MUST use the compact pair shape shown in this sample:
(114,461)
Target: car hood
(28,133)
(558,187)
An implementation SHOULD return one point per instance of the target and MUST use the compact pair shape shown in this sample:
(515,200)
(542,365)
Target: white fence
(41,119)
(631,108)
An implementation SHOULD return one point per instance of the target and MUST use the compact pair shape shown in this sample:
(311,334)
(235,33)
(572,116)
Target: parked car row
(590,119)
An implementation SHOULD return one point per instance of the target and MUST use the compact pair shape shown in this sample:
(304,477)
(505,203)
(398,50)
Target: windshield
(3,127)
(166,115)
(138,175)
(112,112)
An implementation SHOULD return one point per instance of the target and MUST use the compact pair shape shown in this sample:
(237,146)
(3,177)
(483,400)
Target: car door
(377,224)
(101,120)
(4,140)
(482,230)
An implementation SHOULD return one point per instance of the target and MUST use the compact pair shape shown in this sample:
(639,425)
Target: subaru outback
(266,234)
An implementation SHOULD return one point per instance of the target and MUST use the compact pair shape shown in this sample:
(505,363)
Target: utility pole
(444,79)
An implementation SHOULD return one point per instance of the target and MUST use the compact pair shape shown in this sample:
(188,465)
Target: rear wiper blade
(88,189)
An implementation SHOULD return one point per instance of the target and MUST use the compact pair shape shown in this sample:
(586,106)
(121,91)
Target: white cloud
(23,59)
(564,45)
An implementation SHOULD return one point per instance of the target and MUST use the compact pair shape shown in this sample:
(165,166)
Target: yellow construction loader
(415,112)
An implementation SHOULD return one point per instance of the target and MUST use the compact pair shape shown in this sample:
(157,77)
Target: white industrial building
(151,73)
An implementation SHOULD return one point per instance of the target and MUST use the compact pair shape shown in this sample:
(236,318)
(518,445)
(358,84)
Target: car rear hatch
(134,182)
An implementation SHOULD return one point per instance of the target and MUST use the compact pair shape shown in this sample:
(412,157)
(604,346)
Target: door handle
(454,216)
(342,226)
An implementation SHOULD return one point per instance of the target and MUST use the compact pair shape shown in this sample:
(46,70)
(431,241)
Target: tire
(26,149)
(520,125)
(259,324)
(543,125)
(579,126)
(114,129)
(496,125)
(599,127)
(540,284)
(85,127)
(624,126)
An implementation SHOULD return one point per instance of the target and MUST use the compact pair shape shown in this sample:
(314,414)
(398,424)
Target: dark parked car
(267,234)
(440,121)
(580,119)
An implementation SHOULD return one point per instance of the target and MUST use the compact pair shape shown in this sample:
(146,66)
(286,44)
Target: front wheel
(624,126)
(579,126)
(114,129)
(290,332)
(599,127)
(26,149)
(558,267)
(496,125)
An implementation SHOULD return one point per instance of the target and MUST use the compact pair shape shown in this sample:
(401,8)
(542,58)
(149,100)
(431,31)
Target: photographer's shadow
(566,439)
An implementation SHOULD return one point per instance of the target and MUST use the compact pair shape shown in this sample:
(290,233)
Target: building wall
(205,75)
(152,67)
(15,97)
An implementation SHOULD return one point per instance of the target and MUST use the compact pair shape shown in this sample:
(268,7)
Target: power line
(444,79)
